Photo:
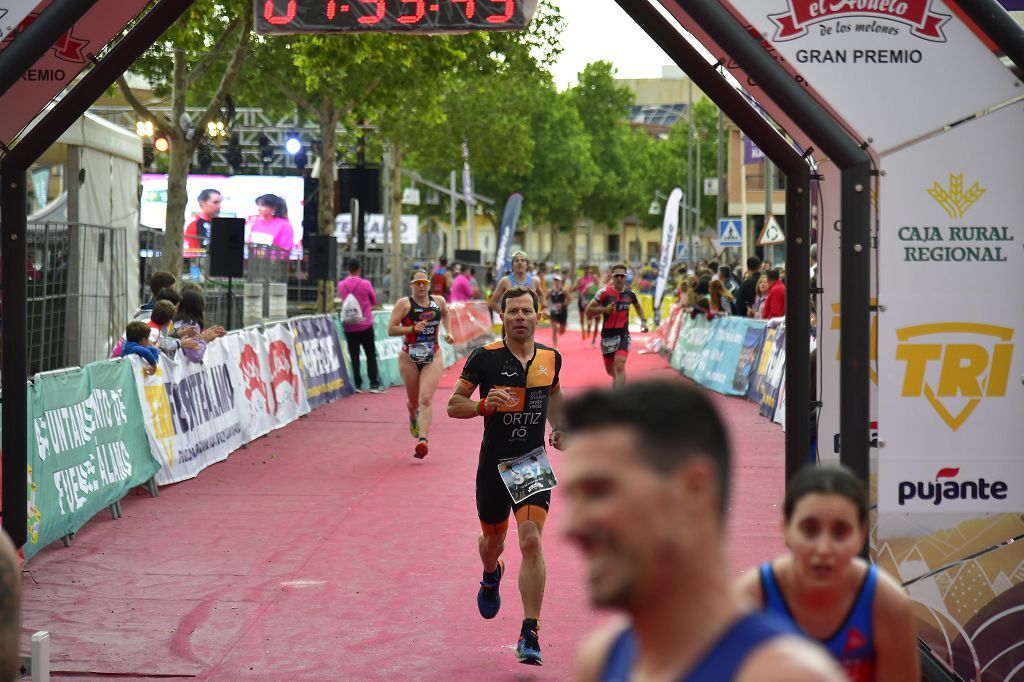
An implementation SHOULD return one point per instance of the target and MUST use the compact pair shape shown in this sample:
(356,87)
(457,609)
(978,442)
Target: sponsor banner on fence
(87,448)
(775,373)
(717,367)
(189,410)
(690,346)
(320,360)
(760,370)
(675,328)
(753,339)
(664,337)
(271,394)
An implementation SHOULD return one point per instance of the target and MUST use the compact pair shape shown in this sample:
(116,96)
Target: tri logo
(955,365)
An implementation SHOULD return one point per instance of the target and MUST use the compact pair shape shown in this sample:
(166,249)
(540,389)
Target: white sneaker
(376,388)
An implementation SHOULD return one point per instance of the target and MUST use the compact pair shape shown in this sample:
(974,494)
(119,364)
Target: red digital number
(470,7)
(377,17)
(268,13)
(413,18)
(510,6)
(331,9)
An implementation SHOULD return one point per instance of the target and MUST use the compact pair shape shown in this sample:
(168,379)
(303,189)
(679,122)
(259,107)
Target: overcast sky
(599,29)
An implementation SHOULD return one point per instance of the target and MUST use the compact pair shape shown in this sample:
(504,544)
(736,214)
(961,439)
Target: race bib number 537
(527,475)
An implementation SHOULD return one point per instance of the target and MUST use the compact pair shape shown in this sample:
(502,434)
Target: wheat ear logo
(954,199)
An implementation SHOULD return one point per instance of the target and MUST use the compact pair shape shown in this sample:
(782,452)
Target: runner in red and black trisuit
(417,319)
(613,303)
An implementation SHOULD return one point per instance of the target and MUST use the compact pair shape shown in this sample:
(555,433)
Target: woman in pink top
(270,226)
(582,289)
(462,288)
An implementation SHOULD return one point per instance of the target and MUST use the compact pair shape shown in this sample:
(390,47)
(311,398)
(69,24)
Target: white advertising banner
(880,63)
(375,228)
(669,228)
(950,339)
(63,62)
(282,395)
(12,12)
(189,410)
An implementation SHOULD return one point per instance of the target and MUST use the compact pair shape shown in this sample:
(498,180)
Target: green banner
(692,339)
(87,448)
(388,348)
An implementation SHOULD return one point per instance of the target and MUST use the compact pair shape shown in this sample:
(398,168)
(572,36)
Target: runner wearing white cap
(417,318)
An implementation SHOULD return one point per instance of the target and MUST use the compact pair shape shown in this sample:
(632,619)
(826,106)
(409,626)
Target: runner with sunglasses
(417,318)
(614,302)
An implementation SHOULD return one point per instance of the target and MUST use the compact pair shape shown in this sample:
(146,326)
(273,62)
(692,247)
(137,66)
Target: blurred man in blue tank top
(646,475)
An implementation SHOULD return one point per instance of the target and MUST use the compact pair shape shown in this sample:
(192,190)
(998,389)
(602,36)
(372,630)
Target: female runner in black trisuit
(417,318)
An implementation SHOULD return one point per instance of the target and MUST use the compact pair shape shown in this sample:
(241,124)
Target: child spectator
(207,331)
(190,321)
(160,329)
(137,342)
(145,312)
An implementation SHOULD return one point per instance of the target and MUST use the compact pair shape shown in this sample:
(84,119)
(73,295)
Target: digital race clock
(392,16)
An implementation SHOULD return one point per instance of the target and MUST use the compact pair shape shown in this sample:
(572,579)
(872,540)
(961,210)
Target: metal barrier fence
(273,286)
(77,293)
(256,297)
(376,267)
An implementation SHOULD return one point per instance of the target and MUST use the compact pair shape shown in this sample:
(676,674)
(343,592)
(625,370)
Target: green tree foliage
(615,146)
(389,81)
(490,103)
(195,62)
(671,166)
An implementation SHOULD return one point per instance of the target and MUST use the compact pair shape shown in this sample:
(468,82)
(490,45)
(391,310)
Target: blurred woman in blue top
(860,614)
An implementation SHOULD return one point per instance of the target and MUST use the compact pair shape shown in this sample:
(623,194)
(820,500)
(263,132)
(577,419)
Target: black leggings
(364,340)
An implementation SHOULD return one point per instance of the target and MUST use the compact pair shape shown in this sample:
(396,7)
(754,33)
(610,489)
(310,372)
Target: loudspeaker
(362,183)
(227,247)
(322,251)
(468,256)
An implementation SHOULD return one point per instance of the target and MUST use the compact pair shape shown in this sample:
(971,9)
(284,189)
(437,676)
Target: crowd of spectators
(717,289)
(172,321)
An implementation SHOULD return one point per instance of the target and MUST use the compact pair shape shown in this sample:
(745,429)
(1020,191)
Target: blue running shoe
(528,649)
(488,600)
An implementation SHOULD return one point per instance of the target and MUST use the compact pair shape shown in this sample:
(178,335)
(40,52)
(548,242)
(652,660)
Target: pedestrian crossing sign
(730,232)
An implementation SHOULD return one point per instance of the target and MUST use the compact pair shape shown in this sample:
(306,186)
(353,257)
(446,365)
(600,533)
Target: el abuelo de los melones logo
(946,486)
(835,17)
